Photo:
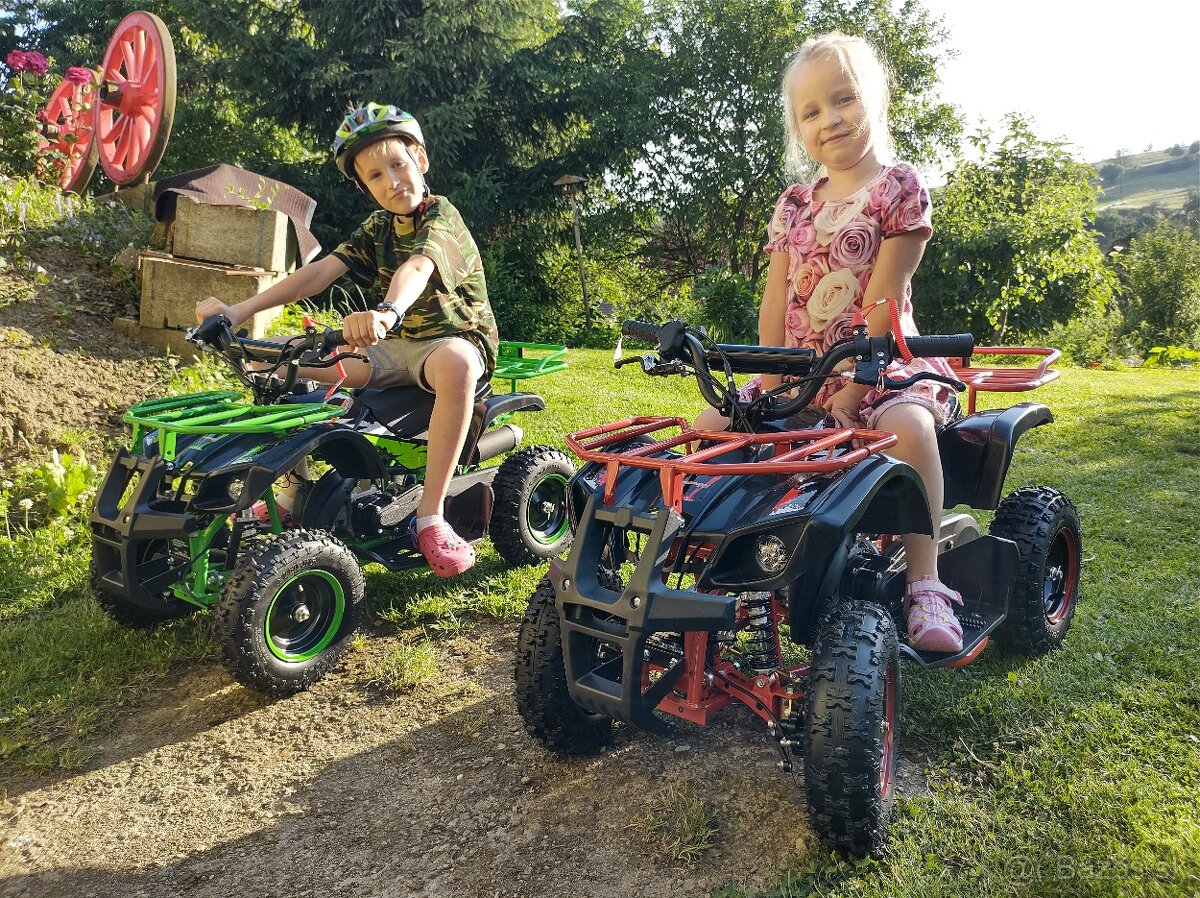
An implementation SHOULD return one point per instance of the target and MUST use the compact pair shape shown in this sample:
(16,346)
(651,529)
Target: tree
(1161,276)
(1012,250)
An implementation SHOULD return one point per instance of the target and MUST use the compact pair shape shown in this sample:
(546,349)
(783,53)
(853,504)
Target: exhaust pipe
(497,441)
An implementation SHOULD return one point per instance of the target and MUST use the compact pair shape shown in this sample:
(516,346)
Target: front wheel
(287,614)
(852,724)
(543,698)
(1045,526)
(530,521)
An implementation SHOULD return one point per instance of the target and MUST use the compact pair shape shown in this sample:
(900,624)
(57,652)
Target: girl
(844,243)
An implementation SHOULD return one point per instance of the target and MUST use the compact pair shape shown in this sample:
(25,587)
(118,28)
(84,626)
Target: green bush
(727,306)
(1171,356)
(1089,338)
(1160,274)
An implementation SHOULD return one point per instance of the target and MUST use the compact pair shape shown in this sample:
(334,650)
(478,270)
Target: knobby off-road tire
(852,727)
(1045,526)
(289,611)
(529,519)
(133,616)
(543,699)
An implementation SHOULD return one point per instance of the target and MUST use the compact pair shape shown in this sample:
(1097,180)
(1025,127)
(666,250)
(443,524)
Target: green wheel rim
(304,616)
(546,511)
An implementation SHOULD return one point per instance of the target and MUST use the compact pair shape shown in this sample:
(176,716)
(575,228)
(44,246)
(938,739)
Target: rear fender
(977,451)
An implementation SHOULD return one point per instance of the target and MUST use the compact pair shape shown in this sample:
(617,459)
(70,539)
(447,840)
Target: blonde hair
(866,72)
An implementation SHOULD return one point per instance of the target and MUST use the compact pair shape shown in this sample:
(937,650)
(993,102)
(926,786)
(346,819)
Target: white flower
(25,504)
(834,216)
(836,292)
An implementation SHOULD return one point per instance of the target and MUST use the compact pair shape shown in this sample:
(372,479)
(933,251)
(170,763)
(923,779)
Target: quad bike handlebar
(682,349)
(258,363)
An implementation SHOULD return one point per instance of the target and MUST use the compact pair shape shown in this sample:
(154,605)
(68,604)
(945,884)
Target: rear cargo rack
(796,451)
(218,411)
(1005,379)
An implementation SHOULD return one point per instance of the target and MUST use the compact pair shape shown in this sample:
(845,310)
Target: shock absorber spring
(762,648)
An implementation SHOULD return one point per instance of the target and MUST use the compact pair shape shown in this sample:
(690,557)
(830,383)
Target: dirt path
(213,790)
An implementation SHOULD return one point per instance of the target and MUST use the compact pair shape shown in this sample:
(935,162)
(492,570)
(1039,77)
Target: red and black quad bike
(702,560)
(188,518)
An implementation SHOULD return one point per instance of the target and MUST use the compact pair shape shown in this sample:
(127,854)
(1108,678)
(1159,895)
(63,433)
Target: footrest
(983,571)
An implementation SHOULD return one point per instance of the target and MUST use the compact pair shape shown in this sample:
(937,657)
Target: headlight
(771,554)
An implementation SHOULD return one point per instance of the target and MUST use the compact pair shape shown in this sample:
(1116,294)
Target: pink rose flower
(837,328)
(807,276)
(796,326)
(78,75)
(781,221)
(855,245)
(36,63)
(884,193)
(911,216)
(15,60)
(834,216)
(836,293)
(803,238)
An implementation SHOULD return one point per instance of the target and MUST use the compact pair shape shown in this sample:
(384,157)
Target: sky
(1104,76)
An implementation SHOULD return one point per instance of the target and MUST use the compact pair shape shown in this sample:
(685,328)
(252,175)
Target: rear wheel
(289,611)
(530,521)
(542,696)
(1045,526)
(852,726)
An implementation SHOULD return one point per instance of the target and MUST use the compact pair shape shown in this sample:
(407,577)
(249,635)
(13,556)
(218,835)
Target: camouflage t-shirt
(455,300)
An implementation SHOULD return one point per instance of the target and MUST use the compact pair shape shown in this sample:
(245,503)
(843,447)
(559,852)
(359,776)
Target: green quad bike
(187,518)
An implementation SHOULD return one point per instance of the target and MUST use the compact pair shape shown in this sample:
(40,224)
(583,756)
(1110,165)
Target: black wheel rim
(1061,578)
(546,511)
(304,616)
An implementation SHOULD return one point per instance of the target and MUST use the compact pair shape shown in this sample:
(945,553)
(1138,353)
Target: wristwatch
(391,307)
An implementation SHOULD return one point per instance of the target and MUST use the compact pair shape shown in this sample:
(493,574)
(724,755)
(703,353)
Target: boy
(434,328)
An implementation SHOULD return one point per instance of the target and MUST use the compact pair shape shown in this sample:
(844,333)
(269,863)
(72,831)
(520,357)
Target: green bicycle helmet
(368,124)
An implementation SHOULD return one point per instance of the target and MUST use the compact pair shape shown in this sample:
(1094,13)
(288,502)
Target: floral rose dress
(832,247)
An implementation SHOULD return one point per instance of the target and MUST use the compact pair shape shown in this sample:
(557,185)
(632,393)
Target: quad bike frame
(178,525)
(699,555)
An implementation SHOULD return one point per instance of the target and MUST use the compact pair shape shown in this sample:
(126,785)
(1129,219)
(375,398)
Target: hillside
(1150,178)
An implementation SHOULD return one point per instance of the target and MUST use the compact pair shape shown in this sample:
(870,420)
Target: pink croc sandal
(447,552)
(932,626)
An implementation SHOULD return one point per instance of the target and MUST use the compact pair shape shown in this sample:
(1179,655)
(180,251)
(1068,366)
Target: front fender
(257,465)
(878,495)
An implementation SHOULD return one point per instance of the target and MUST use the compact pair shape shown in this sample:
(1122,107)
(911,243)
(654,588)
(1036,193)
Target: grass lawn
(1075,774)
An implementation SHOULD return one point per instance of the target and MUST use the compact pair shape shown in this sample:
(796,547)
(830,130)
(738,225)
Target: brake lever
(888,384)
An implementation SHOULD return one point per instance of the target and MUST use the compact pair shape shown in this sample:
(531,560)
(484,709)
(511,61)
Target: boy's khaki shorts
(400,361)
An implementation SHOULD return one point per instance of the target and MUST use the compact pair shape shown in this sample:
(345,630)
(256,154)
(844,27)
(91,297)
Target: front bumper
(591,616)
(129,539)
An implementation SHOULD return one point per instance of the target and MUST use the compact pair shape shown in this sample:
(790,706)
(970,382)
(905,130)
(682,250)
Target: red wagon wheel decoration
(68,128)
(137,98)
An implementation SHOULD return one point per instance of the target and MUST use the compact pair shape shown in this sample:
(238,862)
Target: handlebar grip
(640,330)
(942,345)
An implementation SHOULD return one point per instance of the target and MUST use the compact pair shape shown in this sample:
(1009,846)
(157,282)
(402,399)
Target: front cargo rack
(218,411)
(796,451)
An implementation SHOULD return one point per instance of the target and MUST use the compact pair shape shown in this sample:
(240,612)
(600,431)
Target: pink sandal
(447,552)
(932,626)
